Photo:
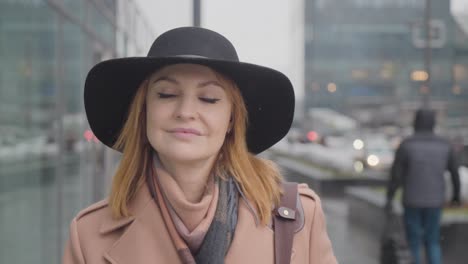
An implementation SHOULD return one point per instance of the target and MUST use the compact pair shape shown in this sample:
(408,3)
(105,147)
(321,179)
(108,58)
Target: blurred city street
(355,208)
(360,70)
(352,243)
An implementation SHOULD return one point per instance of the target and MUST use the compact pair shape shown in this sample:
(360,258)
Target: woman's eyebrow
(167,79)
(207,83)
(200,85)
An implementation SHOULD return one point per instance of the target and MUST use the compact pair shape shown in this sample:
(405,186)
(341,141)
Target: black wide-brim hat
(268,94)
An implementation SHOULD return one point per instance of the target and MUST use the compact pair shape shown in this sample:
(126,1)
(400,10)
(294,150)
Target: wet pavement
(351,244)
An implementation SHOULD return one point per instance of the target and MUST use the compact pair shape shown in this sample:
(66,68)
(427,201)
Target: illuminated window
(419,75)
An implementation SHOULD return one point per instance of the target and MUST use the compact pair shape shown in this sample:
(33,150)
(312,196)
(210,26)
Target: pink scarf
(186,222)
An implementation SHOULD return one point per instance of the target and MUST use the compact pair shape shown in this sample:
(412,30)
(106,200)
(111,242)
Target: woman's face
(188,113)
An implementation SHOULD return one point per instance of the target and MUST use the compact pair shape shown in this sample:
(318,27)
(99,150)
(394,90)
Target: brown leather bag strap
(284,223)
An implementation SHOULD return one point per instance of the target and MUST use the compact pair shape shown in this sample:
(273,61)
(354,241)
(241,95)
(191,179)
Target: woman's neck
(191,177)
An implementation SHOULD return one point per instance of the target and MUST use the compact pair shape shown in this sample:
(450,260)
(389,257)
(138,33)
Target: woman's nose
(186,108)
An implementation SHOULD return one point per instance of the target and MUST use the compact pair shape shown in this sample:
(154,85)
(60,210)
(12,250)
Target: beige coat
(95,237)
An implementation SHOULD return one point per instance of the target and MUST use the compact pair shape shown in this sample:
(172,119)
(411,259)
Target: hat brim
(268,94)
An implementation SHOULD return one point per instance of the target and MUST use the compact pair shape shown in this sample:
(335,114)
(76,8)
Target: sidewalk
(350,244)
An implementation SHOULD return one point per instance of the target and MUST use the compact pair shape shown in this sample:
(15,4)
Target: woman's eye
(209,100)
(166,95)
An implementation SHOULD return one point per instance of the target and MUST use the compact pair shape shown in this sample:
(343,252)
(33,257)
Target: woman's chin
(185,156)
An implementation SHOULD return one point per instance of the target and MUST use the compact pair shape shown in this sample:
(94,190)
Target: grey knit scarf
(221,231)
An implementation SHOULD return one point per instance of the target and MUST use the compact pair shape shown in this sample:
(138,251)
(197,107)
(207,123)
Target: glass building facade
(367,58)
(51,165)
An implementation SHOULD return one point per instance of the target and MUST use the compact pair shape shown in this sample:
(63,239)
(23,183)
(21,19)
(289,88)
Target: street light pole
(427,55)
(196,13)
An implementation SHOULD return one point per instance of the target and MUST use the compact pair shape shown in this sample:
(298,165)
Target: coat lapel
(144,238)
(252,243)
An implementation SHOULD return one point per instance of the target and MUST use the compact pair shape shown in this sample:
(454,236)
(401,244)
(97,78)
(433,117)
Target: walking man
(419,166)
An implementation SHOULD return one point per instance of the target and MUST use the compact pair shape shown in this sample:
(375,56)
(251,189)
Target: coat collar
(136,207)
(144,237)
(112,225)
(141,200)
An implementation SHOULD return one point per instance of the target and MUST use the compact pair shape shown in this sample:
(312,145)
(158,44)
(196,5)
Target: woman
(189,119)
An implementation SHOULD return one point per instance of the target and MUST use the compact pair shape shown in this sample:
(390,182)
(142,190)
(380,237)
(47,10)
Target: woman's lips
(185,132)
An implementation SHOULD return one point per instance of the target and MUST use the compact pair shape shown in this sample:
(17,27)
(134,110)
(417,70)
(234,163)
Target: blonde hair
(259,179)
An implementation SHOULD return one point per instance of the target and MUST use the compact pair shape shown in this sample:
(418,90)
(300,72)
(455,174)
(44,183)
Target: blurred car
(18,143)
(374,151)
(297,135)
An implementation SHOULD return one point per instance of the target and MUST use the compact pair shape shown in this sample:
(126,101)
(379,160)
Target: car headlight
(358,166)
(358,144)
(373,160)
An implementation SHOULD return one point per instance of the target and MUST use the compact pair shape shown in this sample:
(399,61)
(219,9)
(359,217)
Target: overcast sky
(250,16)
(460,6)
(264,32)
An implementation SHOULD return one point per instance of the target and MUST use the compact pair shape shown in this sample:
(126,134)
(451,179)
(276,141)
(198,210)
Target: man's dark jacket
(420,163)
